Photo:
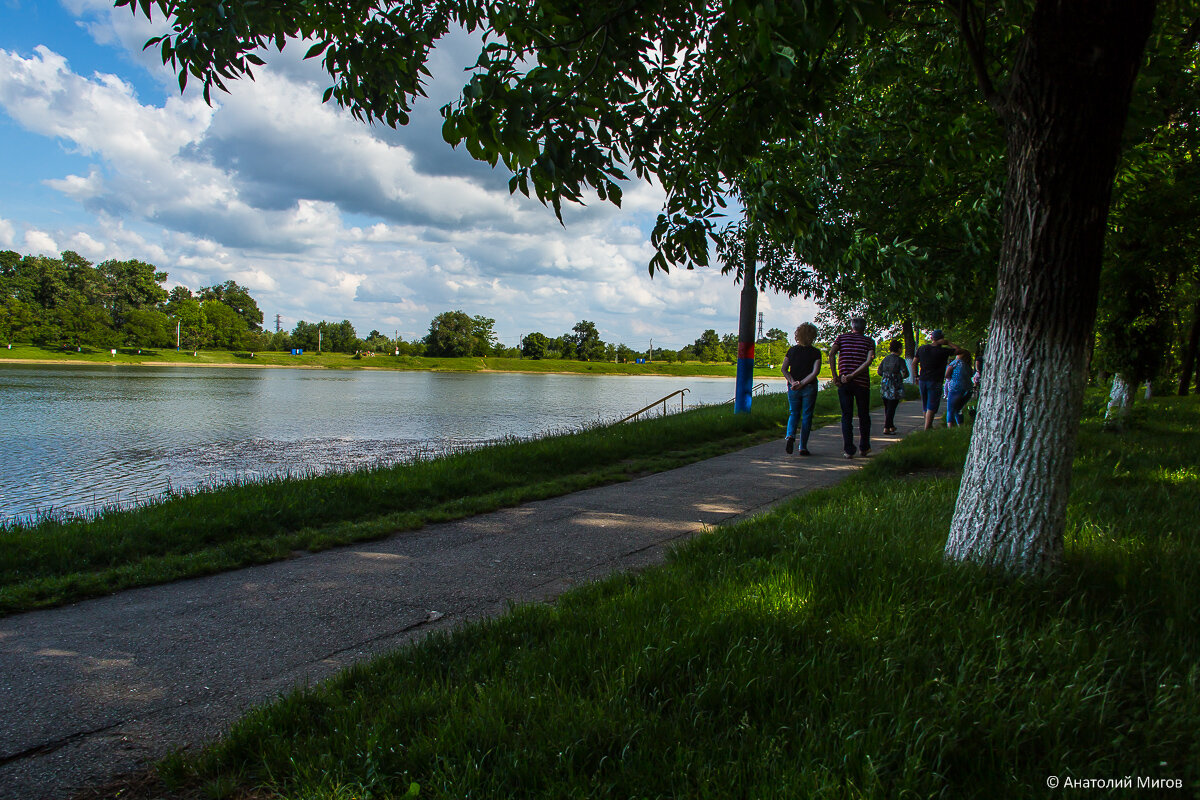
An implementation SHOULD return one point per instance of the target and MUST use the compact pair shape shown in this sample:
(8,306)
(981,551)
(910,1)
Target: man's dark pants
(847,397)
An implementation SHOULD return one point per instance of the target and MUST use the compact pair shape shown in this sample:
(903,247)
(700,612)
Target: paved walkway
(103,687)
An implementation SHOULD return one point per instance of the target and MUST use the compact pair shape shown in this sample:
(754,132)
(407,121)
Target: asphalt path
(102,688)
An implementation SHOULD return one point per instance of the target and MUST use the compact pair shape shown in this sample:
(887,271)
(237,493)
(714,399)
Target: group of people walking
(943,369)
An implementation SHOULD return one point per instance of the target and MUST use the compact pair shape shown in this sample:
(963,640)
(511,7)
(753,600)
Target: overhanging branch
(973,27)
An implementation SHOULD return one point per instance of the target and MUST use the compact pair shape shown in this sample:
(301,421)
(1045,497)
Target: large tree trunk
(1065,108)
(1189,353)
(1120,399)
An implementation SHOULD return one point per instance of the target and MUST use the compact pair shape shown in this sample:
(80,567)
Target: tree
(237,298)
(195,332)
(534,345)
(306,336)
(909,229)
(281,342)
(483,335)
(18,320)
(451,335)
(340,337)
(378,343)
(228,329)
(588,345)
(708,347)
(563,346)
(690,93)
(177,296)
(80,323)
(129,286)
(1151,268)
(147,327)
(769,350)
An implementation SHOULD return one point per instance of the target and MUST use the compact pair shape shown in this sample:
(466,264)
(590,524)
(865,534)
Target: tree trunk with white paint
(1120,400)
(1064,112)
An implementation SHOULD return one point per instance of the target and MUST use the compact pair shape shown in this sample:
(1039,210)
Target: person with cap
(931,372)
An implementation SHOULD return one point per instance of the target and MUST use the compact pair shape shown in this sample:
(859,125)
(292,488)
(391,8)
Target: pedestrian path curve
(104,687)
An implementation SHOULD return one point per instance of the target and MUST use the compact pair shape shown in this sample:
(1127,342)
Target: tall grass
(823,650)
(221,528)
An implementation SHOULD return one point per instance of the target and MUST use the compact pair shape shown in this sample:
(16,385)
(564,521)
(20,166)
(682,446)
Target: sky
(321,217)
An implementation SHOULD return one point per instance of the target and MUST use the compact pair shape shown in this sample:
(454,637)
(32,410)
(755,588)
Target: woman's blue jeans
(800,407)
(955,401)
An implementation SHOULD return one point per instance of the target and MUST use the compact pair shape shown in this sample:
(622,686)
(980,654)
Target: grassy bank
(219,529)
(822,650)
(226,358)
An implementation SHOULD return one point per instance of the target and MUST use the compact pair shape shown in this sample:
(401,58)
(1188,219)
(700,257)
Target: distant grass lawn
(168,355)
(823,650)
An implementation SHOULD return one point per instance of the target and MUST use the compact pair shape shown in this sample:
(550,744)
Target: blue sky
(320,216)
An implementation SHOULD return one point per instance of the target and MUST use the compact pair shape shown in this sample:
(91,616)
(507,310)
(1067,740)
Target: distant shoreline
(86,363)
(765,374)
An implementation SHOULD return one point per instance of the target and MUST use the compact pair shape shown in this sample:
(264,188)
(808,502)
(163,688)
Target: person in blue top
(959,385)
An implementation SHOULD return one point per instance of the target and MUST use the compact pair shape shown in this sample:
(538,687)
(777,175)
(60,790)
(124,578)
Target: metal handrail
(655,404)
(761,388)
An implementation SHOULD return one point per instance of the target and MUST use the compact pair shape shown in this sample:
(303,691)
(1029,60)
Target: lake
(77,438)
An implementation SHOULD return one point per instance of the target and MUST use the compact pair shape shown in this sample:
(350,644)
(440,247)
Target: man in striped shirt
(850,358)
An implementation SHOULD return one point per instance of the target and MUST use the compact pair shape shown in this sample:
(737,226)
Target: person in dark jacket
(931,372)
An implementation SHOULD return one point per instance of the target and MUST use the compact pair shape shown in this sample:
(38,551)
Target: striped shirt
(852,351)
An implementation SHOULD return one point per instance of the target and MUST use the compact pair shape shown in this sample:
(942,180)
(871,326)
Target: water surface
(76,438)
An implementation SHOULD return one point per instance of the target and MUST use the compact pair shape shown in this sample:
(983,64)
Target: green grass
(212,530)
(823,650)
(168,355)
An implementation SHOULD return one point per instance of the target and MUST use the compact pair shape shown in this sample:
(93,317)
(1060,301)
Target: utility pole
(650,355)
(318,338)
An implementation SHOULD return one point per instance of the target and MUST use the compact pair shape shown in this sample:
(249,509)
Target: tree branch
(966,13)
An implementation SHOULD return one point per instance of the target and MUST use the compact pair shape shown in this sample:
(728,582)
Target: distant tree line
(583,343)
(71,302)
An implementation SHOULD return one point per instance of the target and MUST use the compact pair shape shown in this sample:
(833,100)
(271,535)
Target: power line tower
(278,323)
(760,324)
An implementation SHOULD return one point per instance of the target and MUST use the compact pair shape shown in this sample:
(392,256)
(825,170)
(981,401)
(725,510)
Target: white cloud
(87,247)
(39,243)
(6,233)
(323,217)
